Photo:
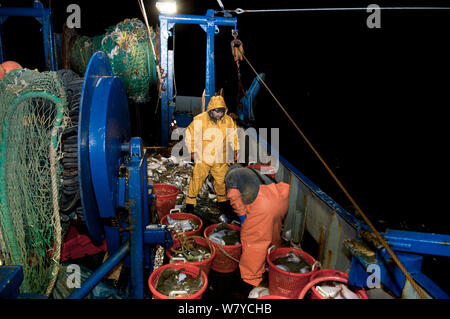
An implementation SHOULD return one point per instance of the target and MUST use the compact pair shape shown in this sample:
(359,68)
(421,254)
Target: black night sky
(372,101)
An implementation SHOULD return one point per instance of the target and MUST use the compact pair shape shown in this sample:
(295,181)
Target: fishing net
(33,115)
(128,48)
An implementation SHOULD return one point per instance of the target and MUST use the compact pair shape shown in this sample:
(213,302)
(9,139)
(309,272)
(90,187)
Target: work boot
(189,208)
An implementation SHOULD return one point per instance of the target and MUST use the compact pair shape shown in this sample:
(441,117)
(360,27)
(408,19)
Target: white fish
(337,291)
(293,257)
(258,292)
(283,267)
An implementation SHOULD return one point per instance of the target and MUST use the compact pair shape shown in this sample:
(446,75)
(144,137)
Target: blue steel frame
(44,17)
(209,24)
(246,112)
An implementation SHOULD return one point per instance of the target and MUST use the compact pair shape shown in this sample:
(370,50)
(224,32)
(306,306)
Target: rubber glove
(242,218)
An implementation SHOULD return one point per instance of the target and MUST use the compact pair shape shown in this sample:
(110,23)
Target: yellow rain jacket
(209,140)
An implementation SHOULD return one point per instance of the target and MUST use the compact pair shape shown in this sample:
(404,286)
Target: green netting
(33,113)
(128,48)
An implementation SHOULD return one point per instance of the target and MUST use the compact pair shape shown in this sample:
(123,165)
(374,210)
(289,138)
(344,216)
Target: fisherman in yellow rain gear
(212,141)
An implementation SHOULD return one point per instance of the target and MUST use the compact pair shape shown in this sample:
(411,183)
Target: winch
(113,179)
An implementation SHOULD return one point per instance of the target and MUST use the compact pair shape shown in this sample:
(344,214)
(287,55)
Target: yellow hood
(217,102)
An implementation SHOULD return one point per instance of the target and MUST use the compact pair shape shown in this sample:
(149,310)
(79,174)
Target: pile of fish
(191,252)
(335,290)
(174,171)
(175,283)
(182,225)
(225,235)
(292,263)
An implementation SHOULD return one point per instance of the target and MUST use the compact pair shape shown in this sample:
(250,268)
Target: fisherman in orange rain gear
(212,141)
(261,204)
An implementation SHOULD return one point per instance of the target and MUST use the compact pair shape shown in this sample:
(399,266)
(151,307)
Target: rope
(158,69)
(56,219)
(383,242)
(240,11)
(225,253)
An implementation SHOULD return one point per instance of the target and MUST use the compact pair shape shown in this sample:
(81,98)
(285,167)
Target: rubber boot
(189,208)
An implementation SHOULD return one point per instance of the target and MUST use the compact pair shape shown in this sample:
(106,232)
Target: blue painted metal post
(164,33)
(101,272)
(210,74)
(136,202)
(42,15)
(2,54)
(171,108)
(209,23)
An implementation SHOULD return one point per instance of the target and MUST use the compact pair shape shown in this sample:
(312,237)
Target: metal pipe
(195,19)
(23,12)
(239,10)
(101,272)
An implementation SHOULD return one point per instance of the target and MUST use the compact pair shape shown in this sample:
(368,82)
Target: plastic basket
(204,265)
(222,263)
(190,270)
(284,283)
(264,169)
(181,216)
(272,297)
(166,197)
(327,273)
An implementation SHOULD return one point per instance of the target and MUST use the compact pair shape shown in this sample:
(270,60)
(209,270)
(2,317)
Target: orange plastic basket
(204,265)
(324,273)
(181,216)
(284,283)
(166,197)
(190,270)
(222,263)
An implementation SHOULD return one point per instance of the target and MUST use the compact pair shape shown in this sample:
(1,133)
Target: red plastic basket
(189,270)
(264,169)
(181,216)
(204,265)
(166,197)
(324,273)
(272,297)
(284,283)
(222,263)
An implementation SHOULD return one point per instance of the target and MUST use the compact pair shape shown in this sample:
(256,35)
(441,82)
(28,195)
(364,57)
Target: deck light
(169,7)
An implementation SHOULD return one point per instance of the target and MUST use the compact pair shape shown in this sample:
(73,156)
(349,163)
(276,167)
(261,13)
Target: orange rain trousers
(261,228)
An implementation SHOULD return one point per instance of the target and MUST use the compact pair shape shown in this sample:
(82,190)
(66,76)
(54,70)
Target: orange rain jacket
(262,227)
